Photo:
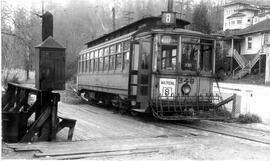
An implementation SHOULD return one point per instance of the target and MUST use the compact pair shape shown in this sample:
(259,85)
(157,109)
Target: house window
(266,39)
(249,42)
(232,22)
(239,21)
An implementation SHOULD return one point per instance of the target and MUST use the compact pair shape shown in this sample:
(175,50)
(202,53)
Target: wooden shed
(50,65)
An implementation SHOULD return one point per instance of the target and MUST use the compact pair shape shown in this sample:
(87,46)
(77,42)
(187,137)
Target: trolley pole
(170,5)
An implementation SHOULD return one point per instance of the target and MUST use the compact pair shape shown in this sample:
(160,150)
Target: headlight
(186,89)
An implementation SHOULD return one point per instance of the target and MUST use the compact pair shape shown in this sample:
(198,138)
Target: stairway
(245,66)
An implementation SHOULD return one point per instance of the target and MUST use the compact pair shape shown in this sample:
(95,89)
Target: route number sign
(168,18)
(167,87)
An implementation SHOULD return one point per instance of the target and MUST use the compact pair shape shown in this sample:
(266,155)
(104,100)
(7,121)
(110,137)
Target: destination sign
(167,39)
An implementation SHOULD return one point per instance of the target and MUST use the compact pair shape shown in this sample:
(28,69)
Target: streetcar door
(141,71)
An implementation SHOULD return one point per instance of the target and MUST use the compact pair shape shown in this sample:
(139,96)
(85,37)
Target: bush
(9,76)
(249,118)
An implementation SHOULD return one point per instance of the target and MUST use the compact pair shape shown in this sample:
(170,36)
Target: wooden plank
(103,154)
(36,126)
(100,151)
(54,120)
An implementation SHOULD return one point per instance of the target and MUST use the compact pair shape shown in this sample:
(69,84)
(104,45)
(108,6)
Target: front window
(196,54)
(168,57)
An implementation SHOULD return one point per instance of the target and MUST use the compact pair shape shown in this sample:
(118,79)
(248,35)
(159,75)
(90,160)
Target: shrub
(9,76)
(249,118)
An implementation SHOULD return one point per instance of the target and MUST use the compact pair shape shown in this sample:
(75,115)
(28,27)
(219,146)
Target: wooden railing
(39,110)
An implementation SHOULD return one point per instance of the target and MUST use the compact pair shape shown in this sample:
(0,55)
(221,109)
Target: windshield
(192,54)
(196,54)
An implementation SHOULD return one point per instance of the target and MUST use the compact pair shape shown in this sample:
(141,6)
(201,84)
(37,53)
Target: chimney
(47,25)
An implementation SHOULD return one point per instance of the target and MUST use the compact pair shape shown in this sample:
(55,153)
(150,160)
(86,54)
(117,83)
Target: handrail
(238,58)
(256,58)
(235,70)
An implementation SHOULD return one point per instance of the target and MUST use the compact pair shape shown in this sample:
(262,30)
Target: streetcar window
(189,56)
(126,48)
(101,60)
(106,51)
(96,61)
(112,62)
(112,57)
(119,48)
(86,62)
(126,45)
(106,63)
(106,58)
(206,58)
(125,60)
(119,56)
(118,61)
(91,61)
(168,57)
(80,64)
(83,63)
(146,47)
(112,50)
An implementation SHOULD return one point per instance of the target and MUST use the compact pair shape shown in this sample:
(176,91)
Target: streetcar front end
(183,76)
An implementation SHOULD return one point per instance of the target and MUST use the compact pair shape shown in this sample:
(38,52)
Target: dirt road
(101,134)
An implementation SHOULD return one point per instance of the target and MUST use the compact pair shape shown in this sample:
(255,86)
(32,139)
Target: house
(239,15)
(247,38)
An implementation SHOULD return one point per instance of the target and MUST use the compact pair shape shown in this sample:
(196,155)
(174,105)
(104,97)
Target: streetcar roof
(183,32)
(145,22)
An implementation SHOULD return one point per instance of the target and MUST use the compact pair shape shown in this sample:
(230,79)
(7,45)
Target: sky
(38,3)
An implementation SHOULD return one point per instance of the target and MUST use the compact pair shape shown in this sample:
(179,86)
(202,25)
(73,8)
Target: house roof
(238,14)
(258,27)
(50,43)
(249,8)
(235,2)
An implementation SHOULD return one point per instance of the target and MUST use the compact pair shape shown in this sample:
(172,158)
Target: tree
(20,33)
(199,20)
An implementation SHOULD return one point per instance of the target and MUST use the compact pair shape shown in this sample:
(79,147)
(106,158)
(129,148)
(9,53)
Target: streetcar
(153,65)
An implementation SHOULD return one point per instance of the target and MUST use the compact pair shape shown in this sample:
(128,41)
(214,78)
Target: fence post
(236,106)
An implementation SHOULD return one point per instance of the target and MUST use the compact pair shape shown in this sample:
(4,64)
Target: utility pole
(128,16)
(113,18)
(42,9)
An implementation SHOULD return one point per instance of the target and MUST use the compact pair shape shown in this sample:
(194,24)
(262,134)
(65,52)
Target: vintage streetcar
(153,65)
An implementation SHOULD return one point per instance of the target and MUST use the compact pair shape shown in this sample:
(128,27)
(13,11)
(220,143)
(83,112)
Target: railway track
(178,126)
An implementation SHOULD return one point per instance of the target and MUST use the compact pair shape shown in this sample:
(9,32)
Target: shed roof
(50,43)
